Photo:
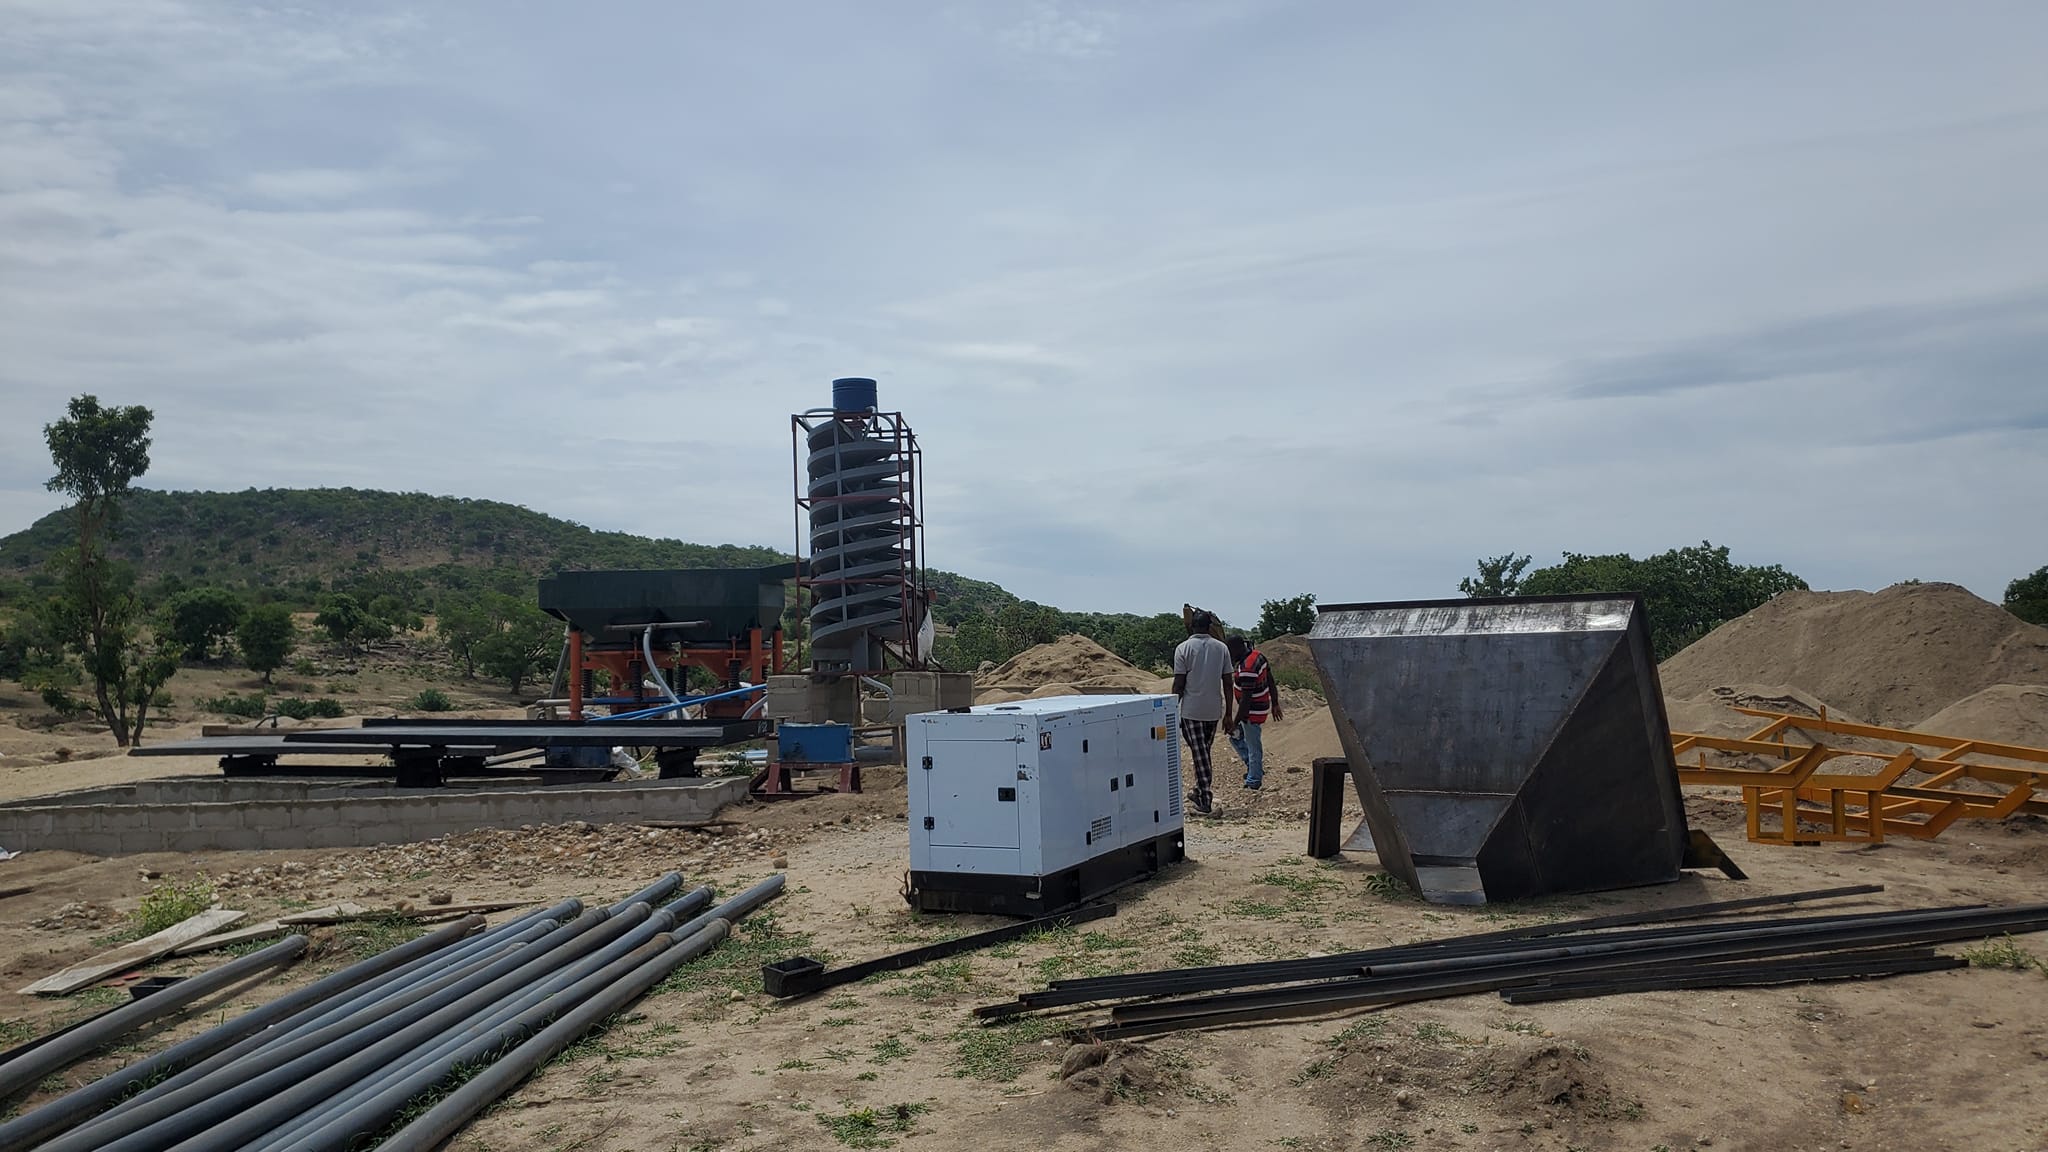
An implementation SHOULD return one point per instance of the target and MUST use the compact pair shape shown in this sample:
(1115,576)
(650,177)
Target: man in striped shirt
(1257,699)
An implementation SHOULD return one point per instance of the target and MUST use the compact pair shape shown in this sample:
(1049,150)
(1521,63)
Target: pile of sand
(1713,713)
(1289,654)
(1895,657)
(1071,664)
(2006,713)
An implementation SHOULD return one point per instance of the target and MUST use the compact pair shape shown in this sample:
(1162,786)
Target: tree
(1293,616)
(1500,576)
(99,452)
(1687,592)
(524,638)
(461,622)
(204,618)
(266,636)
(395,612)
(348,623)
(2027,597)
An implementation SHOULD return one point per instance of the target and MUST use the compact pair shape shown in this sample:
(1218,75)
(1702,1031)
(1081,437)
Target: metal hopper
(1506,748)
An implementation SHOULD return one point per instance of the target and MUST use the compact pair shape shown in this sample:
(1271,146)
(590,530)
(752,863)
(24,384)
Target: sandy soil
(1950,1060)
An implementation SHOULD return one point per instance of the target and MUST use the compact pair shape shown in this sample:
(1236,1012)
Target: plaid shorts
(1201,738)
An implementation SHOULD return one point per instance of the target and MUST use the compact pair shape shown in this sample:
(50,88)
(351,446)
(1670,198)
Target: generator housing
(1033,807)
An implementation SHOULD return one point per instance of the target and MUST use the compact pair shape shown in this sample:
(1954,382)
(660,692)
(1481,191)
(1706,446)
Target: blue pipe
(685,702)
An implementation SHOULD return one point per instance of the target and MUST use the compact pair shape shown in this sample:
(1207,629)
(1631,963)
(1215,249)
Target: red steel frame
(757,657)
(889,426)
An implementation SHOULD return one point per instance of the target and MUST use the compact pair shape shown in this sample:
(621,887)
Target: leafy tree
(461,622)
(267,636)
(2027,597)
(525,639)
(1687,592)
(348,623)
(396,612)
(204,618)
(99,452)
(1293,616)
(1499,576)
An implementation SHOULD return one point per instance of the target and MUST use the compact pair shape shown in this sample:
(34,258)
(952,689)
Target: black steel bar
(1541,994)
(1675,915)
(67,1111)
(803,976)
(1316,998)
(1192,980)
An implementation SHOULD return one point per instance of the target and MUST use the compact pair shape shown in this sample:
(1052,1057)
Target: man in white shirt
(1202,680)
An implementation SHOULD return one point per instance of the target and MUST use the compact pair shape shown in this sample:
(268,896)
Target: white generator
(1031,808)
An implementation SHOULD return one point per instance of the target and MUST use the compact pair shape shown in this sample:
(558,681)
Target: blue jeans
(1249,744)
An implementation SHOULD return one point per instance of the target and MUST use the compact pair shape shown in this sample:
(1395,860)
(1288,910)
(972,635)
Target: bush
(430,700)
(254,706)
(325,708)
(1300,678)
(171,903)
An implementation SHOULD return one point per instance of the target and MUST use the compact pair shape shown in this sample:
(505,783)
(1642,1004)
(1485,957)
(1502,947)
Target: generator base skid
(1068,888)
(1034,807)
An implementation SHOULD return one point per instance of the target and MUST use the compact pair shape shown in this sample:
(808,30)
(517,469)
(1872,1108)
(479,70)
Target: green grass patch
(871,1127)
(735,966)
(1431,1032)
(990,1051)
(1390,1138)
(891,1049)
(1197,956)
(1388,886)
(1370,1028)
(2001,953)
(936,980)
(1254,909)
(362,939)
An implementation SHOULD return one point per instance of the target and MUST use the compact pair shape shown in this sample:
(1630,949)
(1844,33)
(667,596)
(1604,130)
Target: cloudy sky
(1209,300)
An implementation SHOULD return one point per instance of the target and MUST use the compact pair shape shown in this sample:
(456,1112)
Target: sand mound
(2007,713)
(998,696)
(1075,662)
(1300,738)
(1289,653)
(1713,713)
(1892,657)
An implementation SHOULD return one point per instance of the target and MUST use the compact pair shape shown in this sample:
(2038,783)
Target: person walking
(1202,680)
(1258,699)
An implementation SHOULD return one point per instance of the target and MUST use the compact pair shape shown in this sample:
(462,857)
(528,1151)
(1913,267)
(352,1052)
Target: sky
(1188,300)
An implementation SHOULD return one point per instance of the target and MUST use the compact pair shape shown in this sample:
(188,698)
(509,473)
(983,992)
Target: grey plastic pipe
(61,1052)
(444,1119)
(323,1021)
(660,920)
(69,1110)
(244,1111)
(369,1116)
(198,1103)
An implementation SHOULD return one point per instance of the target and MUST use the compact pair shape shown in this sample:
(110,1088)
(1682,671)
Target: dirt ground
(1955,1060)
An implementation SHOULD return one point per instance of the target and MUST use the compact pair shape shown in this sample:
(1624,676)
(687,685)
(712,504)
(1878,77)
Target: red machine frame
(753,660)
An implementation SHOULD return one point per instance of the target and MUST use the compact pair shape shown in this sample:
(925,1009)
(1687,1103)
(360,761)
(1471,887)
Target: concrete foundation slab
(214,814)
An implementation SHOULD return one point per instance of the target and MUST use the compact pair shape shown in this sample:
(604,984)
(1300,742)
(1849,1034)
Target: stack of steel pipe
(1549,962)
(335,1064)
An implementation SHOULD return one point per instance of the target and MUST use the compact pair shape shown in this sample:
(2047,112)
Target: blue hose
(685,702)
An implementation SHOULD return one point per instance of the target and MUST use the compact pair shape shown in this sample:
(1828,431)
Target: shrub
(325,708)
(430,700)
(172,903)
(254,706)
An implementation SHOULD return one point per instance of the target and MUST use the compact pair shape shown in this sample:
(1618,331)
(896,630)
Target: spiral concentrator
(858,488)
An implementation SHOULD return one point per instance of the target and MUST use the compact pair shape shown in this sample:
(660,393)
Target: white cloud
(1329,297)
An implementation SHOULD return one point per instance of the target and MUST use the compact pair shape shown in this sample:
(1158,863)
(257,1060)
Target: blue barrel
(853,394)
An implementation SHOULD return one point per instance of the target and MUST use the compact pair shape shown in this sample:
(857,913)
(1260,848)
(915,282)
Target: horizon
(1211,302)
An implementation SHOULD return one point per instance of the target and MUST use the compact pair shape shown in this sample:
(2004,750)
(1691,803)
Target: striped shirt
(1254,680)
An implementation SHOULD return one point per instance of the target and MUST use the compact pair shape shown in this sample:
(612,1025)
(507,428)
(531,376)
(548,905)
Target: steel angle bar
(803,976)
(1767,977)
(1564,927)
(1330,967)
(1495,975)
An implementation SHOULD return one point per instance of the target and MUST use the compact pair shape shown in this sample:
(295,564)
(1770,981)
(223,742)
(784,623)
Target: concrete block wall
(288,818)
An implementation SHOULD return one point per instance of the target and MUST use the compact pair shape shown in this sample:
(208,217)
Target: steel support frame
(895,429)
(1812,807)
